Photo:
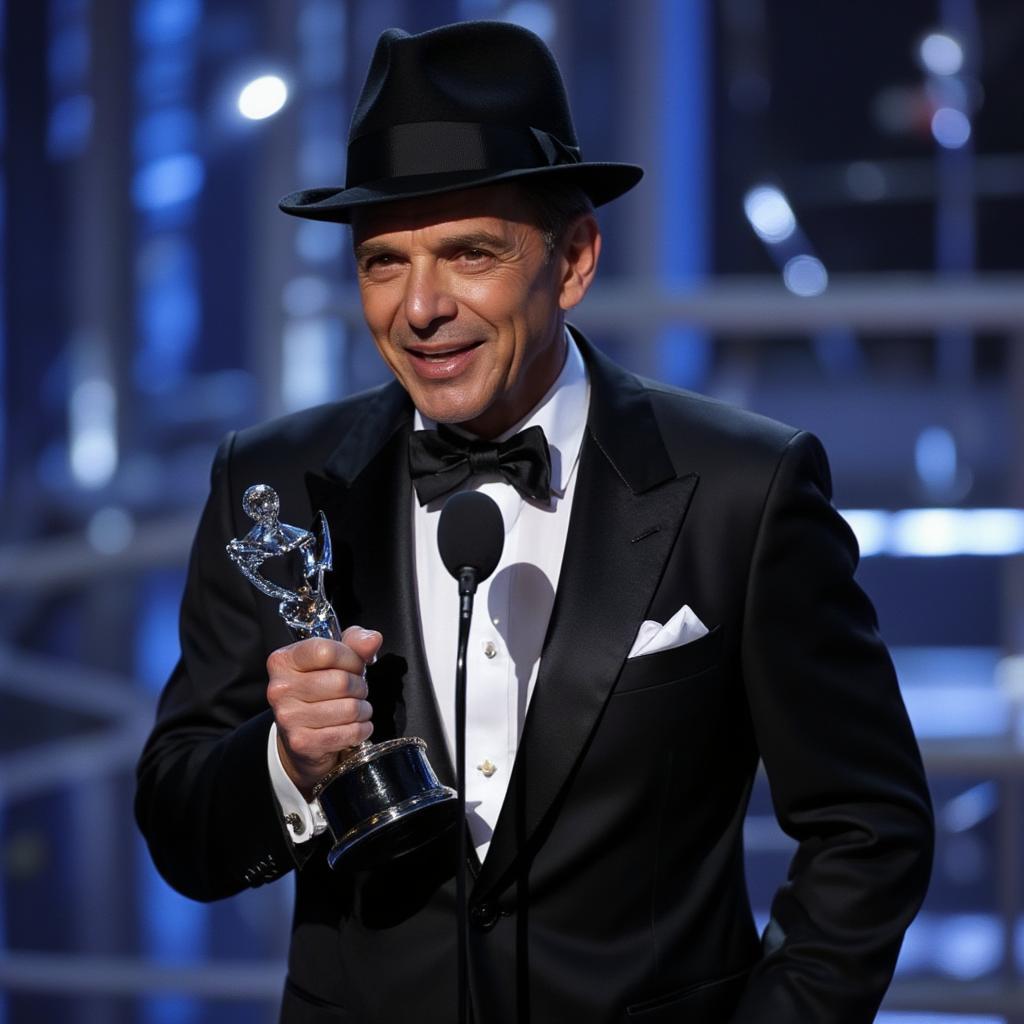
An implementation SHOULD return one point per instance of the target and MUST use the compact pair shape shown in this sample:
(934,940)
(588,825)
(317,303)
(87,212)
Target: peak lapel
(366,495)
(627,511)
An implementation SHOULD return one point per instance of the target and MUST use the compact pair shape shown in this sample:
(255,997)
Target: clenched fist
(318,695)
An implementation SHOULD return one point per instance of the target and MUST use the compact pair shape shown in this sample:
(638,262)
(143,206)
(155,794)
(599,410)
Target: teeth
(436,357)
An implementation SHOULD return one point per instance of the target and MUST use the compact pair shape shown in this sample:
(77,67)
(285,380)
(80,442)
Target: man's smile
(441,350)
(439,362)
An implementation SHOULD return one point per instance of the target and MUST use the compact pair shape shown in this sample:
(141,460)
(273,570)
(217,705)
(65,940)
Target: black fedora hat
(468,104)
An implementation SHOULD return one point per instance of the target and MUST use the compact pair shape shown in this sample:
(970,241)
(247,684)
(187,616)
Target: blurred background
(829,232)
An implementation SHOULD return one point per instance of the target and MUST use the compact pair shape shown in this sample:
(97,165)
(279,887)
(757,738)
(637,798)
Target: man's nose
(426,297)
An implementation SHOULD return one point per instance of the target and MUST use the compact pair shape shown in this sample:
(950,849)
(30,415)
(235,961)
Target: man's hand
(318,694)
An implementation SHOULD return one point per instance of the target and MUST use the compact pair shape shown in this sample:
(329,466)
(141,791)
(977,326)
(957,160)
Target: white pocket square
(683,628)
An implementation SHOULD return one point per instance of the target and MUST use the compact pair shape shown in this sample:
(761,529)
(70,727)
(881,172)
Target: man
(674,604)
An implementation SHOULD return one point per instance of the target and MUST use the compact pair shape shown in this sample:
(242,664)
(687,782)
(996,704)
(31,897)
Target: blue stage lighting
(941,54)
(805,275)
(951,127)
(769,213)
(262,97)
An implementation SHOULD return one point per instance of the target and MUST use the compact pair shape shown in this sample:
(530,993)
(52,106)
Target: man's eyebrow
(366,249)
(474,240)
(470,240)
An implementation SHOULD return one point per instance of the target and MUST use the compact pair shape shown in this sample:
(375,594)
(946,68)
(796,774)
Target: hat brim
(601,181)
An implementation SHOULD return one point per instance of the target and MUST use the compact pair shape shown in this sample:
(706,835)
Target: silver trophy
(382,799)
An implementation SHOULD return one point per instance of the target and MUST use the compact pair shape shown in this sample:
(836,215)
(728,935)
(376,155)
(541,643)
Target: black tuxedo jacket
(614,888)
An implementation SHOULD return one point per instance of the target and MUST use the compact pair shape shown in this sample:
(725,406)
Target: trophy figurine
(382,799)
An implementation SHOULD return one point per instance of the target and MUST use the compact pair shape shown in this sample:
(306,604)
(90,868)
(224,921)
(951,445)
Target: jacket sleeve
(844,770)
(204,800)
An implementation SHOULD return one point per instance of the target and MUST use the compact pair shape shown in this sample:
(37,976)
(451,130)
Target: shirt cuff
(302,819)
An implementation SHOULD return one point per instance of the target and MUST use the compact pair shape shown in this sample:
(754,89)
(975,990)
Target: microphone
(470,538)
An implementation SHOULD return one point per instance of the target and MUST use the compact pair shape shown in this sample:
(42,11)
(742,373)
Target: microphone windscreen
(471,533)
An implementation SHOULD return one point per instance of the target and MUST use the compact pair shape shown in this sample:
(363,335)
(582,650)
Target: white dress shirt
(510,617)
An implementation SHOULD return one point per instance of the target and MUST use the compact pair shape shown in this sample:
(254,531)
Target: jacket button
(483,915)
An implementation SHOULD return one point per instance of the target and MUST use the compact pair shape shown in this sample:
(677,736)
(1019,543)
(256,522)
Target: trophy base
(397,831)
(382,802)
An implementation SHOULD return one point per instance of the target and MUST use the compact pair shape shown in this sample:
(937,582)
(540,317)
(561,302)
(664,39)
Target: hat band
(437,147)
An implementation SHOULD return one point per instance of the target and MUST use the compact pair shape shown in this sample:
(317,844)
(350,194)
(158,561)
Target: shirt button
(487,768)
(490,649)
(297,825)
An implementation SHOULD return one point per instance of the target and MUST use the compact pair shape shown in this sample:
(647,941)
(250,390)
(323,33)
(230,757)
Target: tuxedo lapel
(627,511)
(366,495)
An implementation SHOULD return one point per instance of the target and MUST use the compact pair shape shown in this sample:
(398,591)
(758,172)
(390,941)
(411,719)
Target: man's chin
(464,421)
(483,420)
(452,414)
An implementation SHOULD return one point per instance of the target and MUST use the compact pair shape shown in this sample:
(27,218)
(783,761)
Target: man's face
(464,304)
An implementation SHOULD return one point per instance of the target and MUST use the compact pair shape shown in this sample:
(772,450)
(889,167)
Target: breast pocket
(647,670)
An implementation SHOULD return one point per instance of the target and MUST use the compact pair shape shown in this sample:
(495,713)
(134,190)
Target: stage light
(110,530)
(941,54)
(938,532)
(971,945)
(870,527)
(928,532)
(167,181)
(993,531)
(769,213)
(262,97)
(951,127)
(935,458)
(165,22)
(310,361)
(92,443)
(805,275)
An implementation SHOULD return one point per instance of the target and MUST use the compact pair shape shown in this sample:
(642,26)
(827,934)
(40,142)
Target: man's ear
(578,255)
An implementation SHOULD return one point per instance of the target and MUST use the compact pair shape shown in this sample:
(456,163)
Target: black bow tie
(440,460)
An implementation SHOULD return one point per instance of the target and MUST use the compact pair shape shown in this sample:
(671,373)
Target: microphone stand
(470,536)
(467,588)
